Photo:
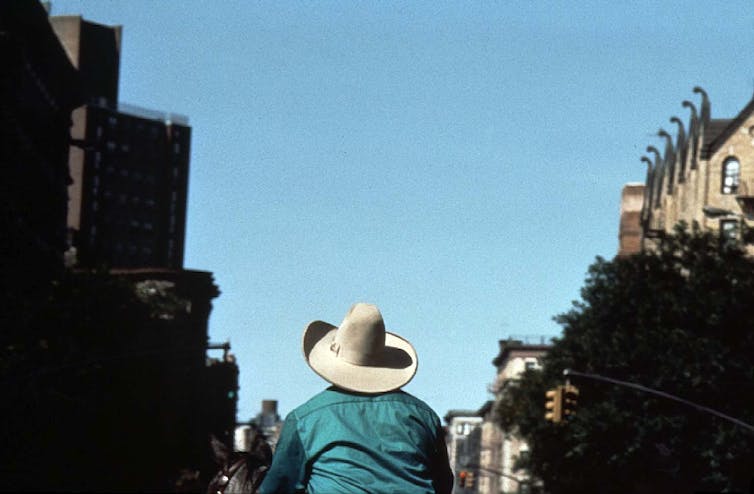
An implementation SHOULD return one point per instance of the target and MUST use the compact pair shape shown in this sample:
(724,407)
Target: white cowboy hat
(359,355)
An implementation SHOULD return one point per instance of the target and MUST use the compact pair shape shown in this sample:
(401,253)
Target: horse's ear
(262,450)
(220,451)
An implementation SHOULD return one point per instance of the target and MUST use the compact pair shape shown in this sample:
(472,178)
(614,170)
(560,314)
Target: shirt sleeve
(287,473)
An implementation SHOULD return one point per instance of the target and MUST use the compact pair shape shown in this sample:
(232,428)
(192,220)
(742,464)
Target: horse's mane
(240,471)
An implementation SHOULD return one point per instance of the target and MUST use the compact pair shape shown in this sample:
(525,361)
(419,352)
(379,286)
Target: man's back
(340,441)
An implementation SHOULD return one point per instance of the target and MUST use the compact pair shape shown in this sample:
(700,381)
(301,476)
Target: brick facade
(687,175)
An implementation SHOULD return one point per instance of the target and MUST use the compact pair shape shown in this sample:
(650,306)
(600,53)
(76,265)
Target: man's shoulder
(321,399)
(408,399)
(335,396)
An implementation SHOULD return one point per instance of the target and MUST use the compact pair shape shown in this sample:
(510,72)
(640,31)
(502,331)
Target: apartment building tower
(515,357)
(129,166)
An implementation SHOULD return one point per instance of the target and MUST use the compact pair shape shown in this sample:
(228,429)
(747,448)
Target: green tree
(677,319)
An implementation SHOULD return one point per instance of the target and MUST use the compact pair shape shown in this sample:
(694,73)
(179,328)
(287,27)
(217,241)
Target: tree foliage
(677,319)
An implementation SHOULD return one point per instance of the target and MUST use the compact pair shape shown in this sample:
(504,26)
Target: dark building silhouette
(188,396)
(104,375)
(94,50)
(39,88)
(221,393)
(129,165)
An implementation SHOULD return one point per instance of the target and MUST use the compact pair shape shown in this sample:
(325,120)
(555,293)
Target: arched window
(731,175)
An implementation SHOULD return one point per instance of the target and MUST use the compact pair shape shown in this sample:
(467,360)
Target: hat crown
(360,338)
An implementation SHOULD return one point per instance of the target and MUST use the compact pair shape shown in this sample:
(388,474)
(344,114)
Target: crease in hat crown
(360,338)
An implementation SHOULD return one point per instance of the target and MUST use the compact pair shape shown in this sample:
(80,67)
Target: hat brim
(393,369)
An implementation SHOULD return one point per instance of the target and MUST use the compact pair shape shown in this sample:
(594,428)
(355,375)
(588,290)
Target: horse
(240,472)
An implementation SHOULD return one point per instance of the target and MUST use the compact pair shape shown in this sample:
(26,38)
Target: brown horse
(240,472)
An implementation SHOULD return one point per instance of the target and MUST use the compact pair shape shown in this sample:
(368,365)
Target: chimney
(270,406)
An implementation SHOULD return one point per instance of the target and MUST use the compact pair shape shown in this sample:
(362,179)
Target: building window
(731,175)
(463,429)
(729,229)
(484,457)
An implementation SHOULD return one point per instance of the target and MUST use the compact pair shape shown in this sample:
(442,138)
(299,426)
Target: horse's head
(240,472)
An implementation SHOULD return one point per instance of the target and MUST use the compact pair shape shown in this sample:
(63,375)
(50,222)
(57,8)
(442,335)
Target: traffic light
(462,478)
(554,404)
(469,479)
(570,398)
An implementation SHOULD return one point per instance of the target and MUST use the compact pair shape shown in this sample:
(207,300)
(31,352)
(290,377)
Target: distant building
(464,432)
(705,173)
(482,456)
(514,358)
(129,166)
(220,393)
(630,237)
(267,422)
(490,452)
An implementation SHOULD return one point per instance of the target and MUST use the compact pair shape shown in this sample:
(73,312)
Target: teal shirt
(342,442)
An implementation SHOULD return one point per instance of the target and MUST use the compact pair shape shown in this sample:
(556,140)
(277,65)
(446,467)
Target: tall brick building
(704,174)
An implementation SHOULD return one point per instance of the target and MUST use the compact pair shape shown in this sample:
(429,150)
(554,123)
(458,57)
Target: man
(363,434)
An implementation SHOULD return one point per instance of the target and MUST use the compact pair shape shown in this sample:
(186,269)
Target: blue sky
(458,164)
